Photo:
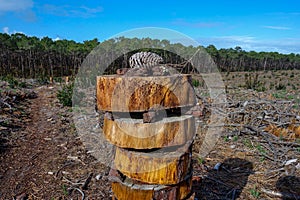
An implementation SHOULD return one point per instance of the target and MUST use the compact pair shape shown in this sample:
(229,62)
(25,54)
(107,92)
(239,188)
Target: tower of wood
(145,120)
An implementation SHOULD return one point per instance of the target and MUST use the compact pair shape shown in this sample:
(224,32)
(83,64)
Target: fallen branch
(60,169)
(5,104)
(72,183)
(87,181)
(82,194)
(283,195)
(291,144)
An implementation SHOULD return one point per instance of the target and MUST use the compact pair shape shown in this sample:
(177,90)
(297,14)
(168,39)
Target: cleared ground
(42,156)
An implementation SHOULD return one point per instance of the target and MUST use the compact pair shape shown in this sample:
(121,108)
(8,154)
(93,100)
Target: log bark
(126,188)
(165,166)
(133,133)
(138,94)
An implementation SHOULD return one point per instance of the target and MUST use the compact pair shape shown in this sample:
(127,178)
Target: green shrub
(65,95)
(255,192)
(279,95)
(280,86)
(23,85)
(252,82)
(195,83)
(294,87)
(43,80)
(58,79)
(290,97)
(261,89)
(226,139)
(13,82)
(235,138)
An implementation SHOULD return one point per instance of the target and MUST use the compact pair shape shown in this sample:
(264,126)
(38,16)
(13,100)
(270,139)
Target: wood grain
(125,189)
(133,133)
(165,166)
(138,94)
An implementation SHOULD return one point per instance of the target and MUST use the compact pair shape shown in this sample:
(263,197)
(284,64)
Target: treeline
(237,59)
(24,56)
(33,57)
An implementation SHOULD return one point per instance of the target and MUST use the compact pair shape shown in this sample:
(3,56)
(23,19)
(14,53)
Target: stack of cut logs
(145,119)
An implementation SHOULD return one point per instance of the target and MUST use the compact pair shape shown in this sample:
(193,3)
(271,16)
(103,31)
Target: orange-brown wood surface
(165,166)
(137,94)
(133,133)
(129,189)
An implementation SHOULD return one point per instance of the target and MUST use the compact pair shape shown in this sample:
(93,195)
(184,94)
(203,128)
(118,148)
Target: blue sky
(260,25)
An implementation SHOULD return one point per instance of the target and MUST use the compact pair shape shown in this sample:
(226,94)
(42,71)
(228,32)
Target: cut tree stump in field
(133,133)
(125,188)
(138,94)
(165,166)
(145,119)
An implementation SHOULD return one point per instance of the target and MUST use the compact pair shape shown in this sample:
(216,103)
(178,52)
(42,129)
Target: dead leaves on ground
(292,132)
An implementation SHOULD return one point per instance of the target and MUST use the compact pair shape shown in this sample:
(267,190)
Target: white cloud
(57,38)
(92,10)
(5,30)
(182,22)
(248,43)
(14,32)
(15,5)
(277,27)
(243,39)
(69,11)
(22,8)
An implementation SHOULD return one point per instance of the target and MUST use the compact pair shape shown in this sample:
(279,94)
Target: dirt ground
(42,157)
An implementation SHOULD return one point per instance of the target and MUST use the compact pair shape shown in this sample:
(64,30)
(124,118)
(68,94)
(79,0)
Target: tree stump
(153,148)
(166,166)
(126,188)
(133,133)
(137,94)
